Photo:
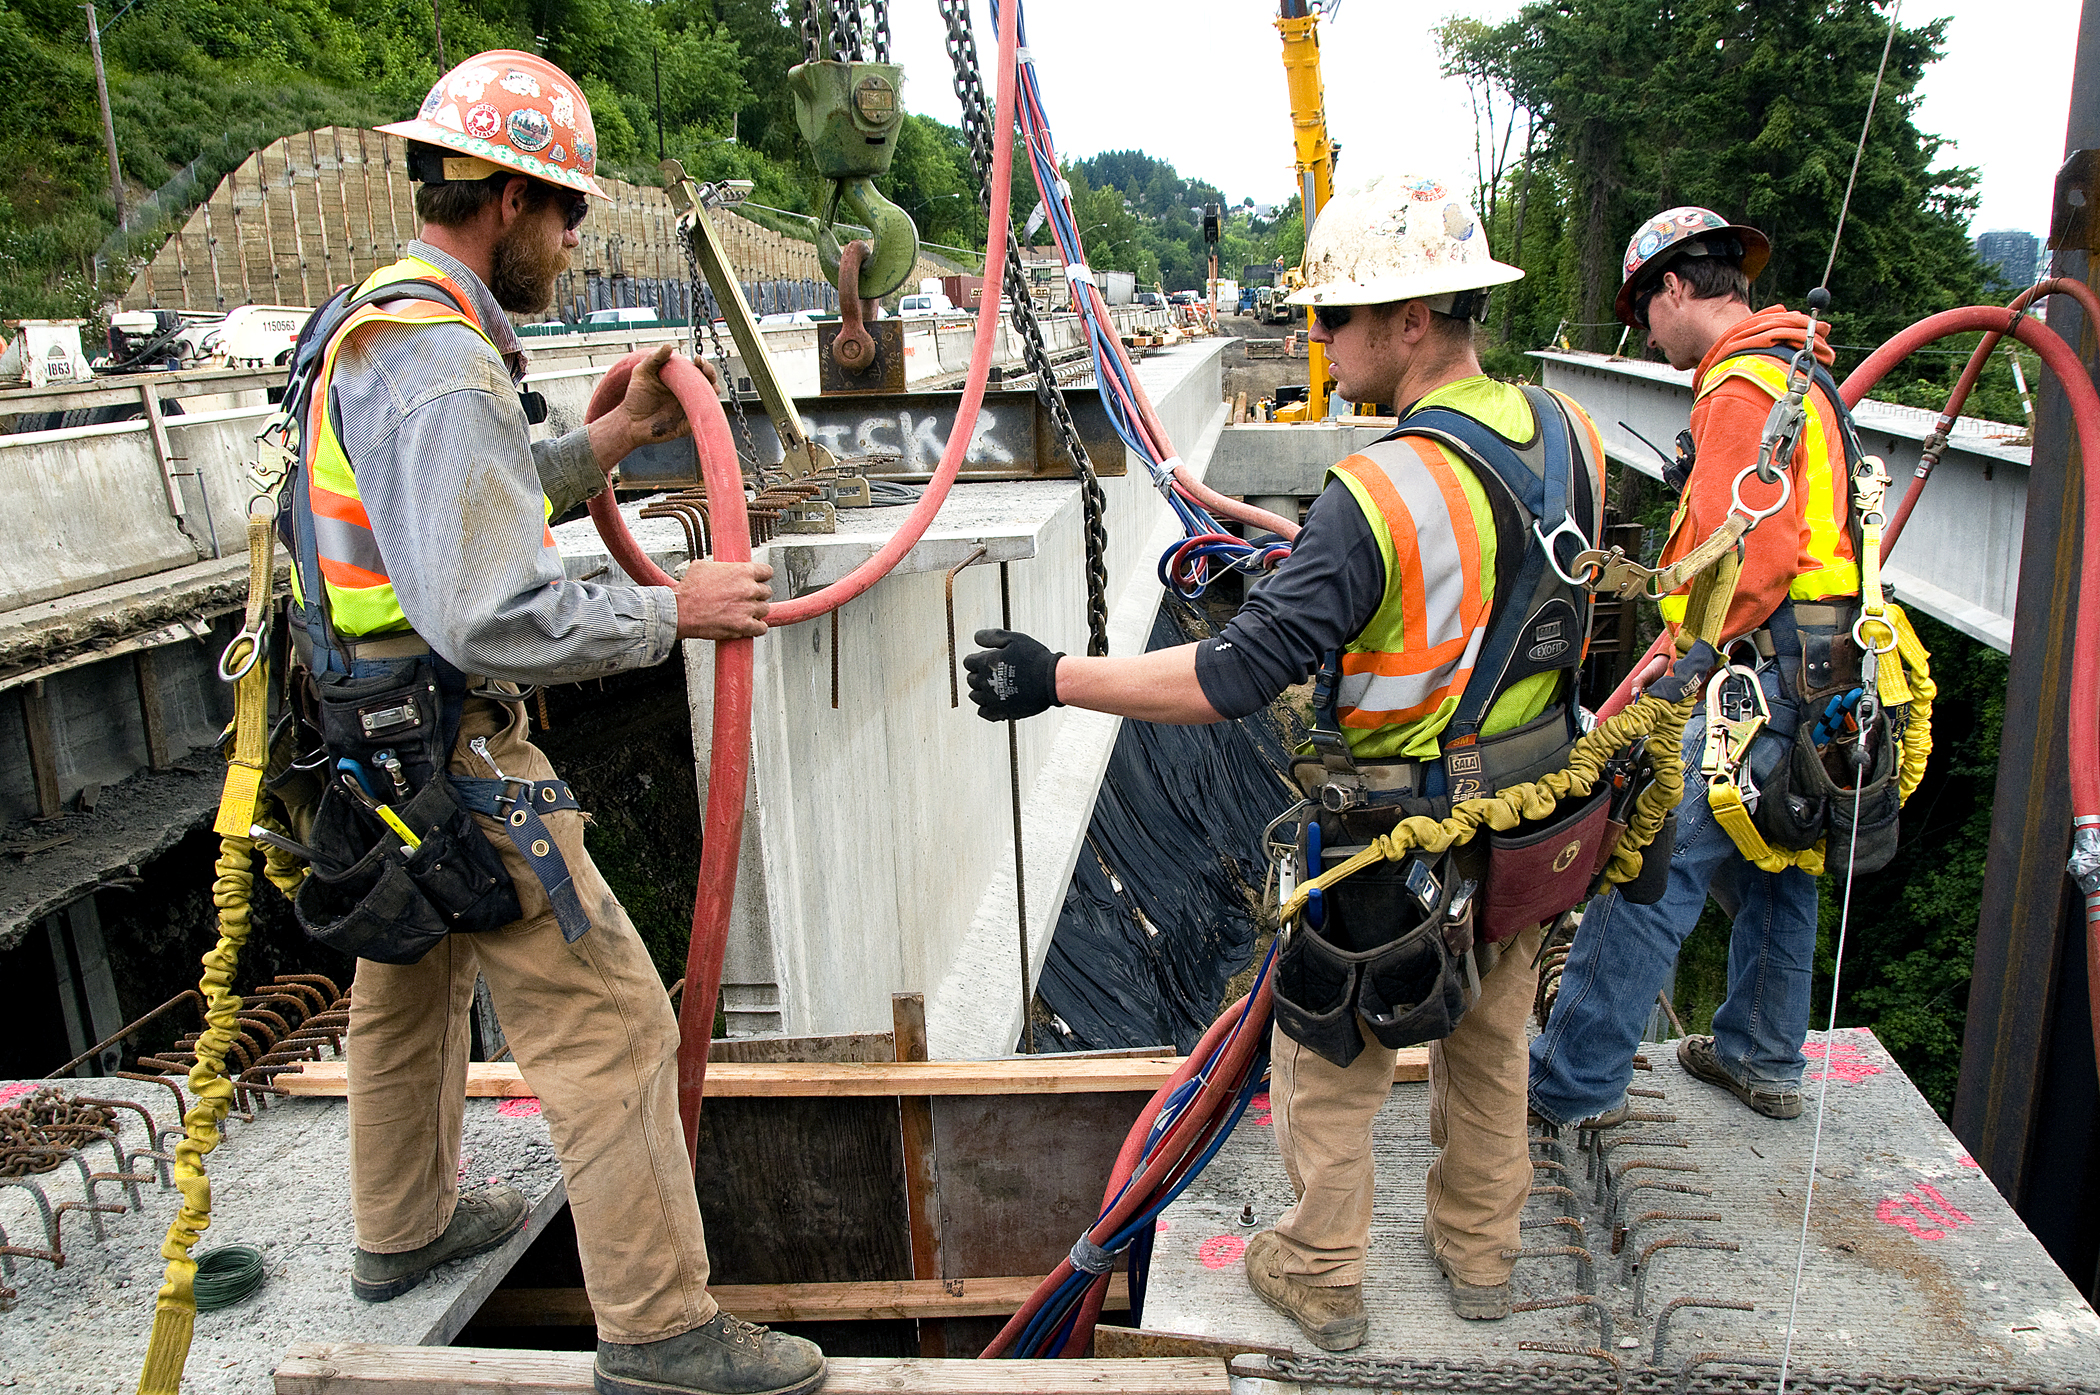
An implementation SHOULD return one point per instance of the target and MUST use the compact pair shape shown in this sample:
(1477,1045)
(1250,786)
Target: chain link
(881,10)
(969,92)
(812,35)
(747,452)
(845,25)
(1547,1379)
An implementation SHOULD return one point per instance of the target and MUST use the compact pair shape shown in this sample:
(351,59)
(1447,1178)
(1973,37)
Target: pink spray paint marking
(1221,1251)
(1844,1060)
(1923,1212)
(10,1093)
(523,1107)
(1161,1225)
(1965,1160)
(1258,1108)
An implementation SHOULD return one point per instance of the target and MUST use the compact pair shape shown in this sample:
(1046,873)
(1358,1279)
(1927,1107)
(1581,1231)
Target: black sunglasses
(1333,317)
(579,205)
(1641,303)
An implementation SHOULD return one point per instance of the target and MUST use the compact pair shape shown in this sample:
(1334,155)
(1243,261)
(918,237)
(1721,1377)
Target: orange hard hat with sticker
(509,112)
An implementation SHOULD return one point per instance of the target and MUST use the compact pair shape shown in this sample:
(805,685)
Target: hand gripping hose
(731,739)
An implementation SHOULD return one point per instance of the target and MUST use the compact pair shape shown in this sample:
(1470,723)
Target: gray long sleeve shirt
(454,486)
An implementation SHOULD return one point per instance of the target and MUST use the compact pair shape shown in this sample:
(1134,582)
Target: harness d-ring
(1757,516)
(1859,636)
(1547,540)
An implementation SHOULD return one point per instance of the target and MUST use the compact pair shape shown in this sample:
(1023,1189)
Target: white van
(924,304)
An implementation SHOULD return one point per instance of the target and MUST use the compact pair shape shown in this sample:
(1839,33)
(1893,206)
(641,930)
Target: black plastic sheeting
(1162,909)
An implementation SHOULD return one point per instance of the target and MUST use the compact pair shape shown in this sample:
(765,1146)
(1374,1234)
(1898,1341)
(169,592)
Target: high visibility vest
(360,593)
(1820,484)
(1402,676)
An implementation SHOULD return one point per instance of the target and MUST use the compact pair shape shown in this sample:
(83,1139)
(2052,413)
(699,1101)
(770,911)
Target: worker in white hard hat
(1431,690)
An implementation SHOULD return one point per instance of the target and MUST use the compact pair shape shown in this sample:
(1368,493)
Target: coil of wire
(227,1275)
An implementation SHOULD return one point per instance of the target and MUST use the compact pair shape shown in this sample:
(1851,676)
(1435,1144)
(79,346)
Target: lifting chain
(747,448)
(976,124)
(1437,1378)
(851,38)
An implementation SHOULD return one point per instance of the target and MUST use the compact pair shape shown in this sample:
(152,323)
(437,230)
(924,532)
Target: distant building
(2016,255)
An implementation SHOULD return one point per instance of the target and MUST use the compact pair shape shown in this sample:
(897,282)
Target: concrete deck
(278,1184)
(1915,1264)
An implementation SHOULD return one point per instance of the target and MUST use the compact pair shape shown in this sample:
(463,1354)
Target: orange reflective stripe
(350,576)
(1413,661)
(1473,610)
(329,504)
(1406,580)
(1363,718)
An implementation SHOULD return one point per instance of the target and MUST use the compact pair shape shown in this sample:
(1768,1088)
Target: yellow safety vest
(360,594)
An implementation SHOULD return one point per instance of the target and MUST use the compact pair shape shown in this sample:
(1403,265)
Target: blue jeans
(1582,1062)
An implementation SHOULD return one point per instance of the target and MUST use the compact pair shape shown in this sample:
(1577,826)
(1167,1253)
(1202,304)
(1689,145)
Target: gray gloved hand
(1013,676)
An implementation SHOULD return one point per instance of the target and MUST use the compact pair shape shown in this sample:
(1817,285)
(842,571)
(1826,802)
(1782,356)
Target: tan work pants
(594,1037)
(1477,1077)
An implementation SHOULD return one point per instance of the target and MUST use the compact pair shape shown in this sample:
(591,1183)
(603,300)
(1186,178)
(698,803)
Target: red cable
(2084,735)
(731,742)
(731,759)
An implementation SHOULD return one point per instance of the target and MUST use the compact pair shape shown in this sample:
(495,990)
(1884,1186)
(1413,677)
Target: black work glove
(1012,677)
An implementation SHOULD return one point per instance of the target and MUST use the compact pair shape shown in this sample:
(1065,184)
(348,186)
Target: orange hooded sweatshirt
(1726,424)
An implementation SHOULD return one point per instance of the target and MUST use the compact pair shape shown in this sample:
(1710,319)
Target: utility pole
(109,129)
(656,66)
(439,25)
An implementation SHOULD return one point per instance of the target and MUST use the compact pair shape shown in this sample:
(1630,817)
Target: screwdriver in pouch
(384,813)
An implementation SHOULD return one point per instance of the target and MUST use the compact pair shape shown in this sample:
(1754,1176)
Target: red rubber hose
(1959,398)
(2084,736)
(730,762)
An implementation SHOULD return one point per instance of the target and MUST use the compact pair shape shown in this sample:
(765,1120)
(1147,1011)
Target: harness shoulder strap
(1848,433)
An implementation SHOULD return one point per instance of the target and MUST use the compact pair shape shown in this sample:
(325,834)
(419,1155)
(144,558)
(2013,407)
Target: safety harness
(397,863)
(1401,947)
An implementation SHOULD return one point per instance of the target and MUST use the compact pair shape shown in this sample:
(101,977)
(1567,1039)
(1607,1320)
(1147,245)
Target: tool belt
(399,863)
(1813,789)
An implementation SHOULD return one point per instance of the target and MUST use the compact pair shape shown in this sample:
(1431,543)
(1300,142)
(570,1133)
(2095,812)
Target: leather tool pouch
(1543,867)
(378,898)
(1377,954)
(1803,800)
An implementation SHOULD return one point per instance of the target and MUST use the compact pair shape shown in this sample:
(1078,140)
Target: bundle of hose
(730,740)
(227,1275)
(1148,1169)
(2084,736)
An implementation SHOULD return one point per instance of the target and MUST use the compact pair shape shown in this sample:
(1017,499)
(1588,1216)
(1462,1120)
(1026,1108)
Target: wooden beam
(43,759)
(357,1368)
(1037,1075)
(921,1187)
(842,1302)
(1126,1342)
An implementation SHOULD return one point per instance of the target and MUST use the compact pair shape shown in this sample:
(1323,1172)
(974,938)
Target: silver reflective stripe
(347,542)
(1443,582)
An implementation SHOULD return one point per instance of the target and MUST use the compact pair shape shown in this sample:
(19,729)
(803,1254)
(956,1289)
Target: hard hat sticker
(484,122)
(564,109)
(1458,221)
(1425,190)
(521,83)
(530,129)
(469,83)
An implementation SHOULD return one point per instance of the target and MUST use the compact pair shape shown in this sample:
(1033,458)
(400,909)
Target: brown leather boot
(1333,1317)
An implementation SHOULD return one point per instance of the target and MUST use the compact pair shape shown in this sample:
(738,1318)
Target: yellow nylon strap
(1911,681)
(175,1309)
(1726,801)
(251,701)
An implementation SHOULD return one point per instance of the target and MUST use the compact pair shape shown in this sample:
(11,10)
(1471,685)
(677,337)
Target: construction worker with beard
(1687,285)
(1393,591)
(420,509)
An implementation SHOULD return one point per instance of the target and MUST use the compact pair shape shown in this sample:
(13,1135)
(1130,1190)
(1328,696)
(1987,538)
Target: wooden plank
(357,1368)
(1035,1075)
(1126,1342)
(850,1302)
(43,759)
(921,1189)
(848,1046)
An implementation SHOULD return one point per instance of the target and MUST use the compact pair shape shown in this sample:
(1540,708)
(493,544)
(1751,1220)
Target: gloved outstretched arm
(1016,676)
(1012,677)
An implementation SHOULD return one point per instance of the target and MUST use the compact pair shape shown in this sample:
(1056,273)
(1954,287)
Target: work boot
(1697,1056)
(1607,1119)
(1333,1317)
(722,1356)
(1473,1302)
(483,1219)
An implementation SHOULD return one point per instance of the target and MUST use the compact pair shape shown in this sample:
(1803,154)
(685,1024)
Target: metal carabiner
(1756,516)
(1736,711)
(1566,527)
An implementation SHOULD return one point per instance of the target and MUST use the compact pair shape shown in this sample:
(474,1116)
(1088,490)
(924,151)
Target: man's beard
(523,268)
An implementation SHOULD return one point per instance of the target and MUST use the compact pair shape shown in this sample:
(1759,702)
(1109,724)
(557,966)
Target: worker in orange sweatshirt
(1687,285)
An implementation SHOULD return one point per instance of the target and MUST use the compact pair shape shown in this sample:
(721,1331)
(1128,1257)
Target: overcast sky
(1200,83)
